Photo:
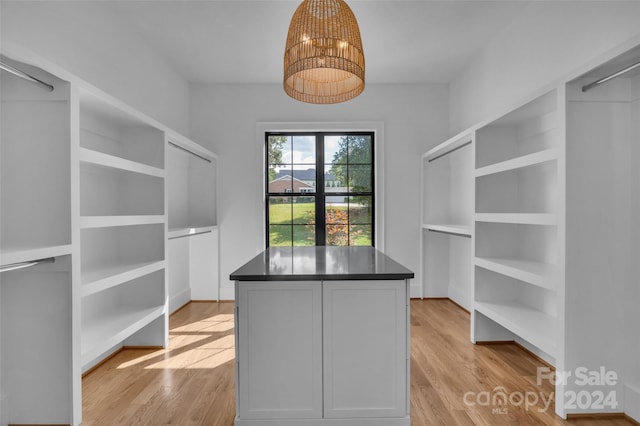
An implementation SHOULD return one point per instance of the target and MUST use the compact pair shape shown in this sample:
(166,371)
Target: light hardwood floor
(192,381)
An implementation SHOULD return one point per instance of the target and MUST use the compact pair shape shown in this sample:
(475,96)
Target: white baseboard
(4,410)
(632,401)
(414,290)
(100,358)
(391,421)
(179,299)
(537,352)
(460,297)
(227,293)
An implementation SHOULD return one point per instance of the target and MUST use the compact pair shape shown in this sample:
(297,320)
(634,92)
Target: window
(320,189)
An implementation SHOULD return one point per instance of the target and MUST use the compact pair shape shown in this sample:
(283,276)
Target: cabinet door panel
(365,349)
(279,342)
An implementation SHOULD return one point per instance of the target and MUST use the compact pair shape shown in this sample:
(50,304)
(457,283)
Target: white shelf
(113,128)
(521,218)
(517,163)
(28,254)
(108,221)
(187,231)
(111,276)
(453,229)
(102,333)
(534,326)
(536,273)
(99,158)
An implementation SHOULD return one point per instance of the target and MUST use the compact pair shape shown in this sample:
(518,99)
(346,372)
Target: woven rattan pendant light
(323,59)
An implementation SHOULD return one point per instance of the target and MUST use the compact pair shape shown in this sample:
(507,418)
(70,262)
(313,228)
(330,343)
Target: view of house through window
(319,189)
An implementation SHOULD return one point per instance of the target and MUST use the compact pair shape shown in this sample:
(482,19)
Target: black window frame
(320,195)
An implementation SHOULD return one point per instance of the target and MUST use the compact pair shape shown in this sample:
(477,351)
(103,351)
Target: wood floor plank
(192,382)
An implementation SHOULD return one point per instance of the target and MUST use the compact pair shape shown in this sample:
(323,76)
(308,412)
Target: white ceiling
(215,41)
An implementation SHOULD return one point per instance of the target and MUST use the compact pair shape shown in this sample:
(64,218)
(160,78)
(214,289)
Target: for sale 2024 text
(586,398)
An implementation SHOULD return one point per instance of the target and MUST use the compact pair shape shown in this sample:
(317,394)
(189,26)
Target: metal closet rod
(188,235)
(457,234)
(190,152)
(450,151)
(612,76)
(25,76)
(27,264)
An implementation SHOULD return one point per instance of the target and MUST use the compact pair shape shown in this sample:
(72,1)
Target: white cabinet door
(203,266)
(365,349)
(279,346)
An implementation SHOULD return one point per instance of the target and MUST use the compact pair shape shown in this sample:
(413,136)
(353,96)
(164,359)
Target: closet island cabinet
(91,191)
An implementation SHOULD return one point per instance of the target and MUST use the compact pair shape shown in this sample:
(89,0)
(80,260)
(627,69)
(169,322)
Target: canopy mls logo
(501,401)
(596,399)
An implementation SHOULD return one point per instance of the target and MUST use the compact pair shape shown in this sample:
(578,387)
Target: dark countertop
(321,263)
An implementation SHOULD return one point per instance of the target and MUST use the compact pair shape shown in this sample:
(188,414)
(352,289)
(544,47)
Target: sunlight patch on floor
(203,326)
(139,359)
(219,318)
(196,359)
(183,340)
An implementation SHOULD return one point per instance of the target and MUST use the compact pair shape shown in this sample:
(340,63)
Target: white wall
(549,40)
(224,117)
(100,51)
(632,313)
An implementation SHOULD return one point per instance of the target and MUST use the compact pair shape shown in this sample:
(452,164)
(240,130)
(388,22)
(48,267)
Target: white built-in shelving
(106,277)
(188,232)
(89,156)
(114,255)
(516,283)
(460,230)
(518,163)
(128,220)
(555,237)
(191,186)
(527,322)
(447,218)
(114,315)
(123,226)
(532,272)
(38,377)
(91,191)
(192,222)
(522,218)
(36,198)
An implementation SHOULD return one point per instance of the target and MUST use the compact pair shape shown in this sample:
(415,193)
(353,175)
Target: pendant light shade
(323,59)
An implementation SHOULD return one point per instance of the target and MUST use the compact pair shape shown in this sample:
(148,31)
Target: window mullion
(320,197)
